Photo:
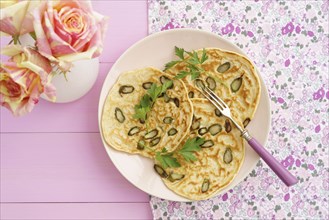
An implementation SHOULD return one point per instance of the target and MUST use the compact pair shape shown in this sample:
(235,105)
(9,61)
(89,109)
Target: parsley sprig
(193,62)
(191,146)
(146,103)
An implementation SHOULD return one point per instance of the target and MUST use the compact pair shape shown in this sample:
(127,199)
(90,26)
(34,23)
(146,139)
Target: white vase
(79,80)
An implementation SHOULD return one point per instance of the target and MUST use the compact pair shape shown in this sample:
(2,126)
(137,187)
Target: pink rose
(23,78)
(68,31)
(16,17)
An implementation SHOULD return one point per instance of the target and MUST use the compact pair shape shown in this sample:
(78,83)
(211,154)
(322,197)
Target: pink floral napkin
(289,43)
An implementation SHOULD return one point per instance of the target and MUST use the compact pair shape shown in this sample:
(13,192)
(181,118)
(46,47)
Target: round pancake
(116,128)
(210,165)
(224,70)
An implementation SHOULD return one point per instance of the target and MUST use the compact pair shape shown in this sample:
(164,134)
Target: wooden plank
(127,24)
(78,116)
(81,211)
(61,167)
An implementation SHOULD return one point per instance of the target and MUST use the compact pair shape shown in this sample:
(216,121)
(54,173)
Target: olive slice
(195,125)
(191,95)
(147,85)
(164,79)
(166,98)
(228,157)
(133,131)
(207,144)
(168,120)
(215,129)
(119,115)
(160,171)
(224,67)
(141,145)
(228,126)
(246,122)
(176,101)
(155,141)
(172,131)
(199,83)
(151,134)
(205,185)
(126,89)
(175,176)
(202,131)
(236,84)
(211,83)
(217,113)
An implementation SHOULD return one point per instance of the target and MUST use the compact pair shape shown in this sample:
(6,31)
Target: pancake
(211,168)
(232,77)
(167,123)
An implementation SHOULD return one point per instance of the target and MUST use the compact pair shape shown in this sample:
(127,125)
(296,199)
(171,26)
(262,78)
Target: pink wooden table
(53,163)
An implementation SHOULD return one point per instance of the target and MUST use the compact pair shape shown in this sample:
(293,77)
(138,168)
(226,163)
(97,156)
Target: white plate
(156,50)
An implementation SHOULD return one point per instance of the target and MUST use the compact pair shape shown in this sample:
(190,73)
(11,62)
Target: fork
(279,170)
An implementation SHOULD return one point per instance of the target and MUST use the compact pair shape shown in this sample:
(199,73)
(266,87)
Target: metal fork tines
(219,104)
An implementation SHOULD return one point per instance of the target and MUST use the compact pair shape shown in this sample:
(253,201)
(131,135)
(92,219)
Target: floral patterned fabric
(289,43)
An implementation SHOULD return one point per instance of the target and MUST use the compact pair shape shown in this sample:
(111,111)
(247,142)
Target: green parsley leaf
(146,103)
(204,56)
(193,61)
(196,57)
(167,160)
(193,67)
(191,146)
(171,64)
(166,85)
(195,74)
(189,53)
(140,113)
(179,52)
(181,74)
(154,91)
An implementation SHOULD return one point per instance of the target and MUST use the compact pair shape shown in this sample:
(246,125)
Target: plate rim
(264,92)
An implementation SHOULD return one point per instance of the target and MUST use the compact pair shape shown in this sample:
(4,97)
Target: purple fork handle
(280,171)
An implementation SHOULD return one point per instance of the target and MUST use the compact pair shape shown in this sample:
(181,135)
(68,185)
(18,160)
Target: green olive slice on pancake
(133,131)
(205,185)
(147,85)
(119,116)
(151,134)
(211,83)
(155,141)
(215,129)
(207,144)
(228,157)
(160,171)
(224,67)
(126,89)
(246,122)
(236,84)
(228,126)
(175,176)
(202,131)
(168,120)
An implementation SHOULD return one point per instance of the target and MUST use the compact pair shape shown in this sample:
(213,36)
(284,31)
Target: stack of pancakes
(183,113)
